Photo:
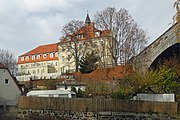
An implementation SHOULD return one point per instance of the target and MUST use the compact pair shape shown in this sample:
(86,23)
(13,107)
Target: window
(6,81)
(69,57)
(51,95)
(80,36)
(63,95)
(80,45)
(44,56)
(27,58)
(51,55)
(38,56)
(62,49)
(56,54)
(97,34)
(34,72)
(42,71)
(33,57)
(62,59)
(22,58)
(102,43)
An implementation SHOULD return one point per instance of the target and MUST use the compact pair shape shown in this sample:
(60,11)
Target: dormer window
(38,56)
(97,34)
(27,58)
(51,55)
(80,36)
(56,54)
(22,58)
(45,56)
(33,57)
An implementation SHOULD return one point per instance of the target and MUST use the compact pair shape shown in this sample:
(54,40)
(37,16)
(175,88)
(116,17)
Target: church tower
(88,20)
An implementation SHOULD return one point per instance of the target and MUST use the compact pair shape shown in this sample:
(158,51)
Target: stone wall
(143,60)
(29,114)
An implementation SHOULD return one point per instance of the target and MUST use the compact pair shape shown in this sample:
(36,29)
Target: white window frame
(51,55)
(62,59)
(38,57)
(44,56)
(22,58)
(27,58)
(33,57)
(56,54)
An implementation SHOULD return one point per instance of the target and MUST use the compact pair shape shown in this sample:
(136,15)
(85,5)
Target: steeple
(87,21)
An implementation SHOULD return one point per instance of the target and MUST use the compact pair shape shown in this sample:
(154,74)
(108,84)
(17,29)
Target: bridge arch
(171,51)
(163,46)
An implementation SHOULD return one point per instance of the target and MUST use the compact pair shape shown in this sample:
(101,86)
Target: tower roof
(88,20)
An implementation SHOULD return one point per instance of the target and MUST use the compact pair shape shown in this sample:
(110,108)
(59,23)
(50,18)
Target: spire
(87,21)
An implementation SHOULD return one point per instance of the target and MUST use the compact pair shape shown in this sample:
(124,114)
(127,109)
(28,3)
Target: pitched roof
(2,66)
(88,32)
(43,49)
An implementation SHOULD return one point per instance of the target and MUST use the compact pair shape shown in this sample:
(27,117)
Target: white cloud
(26,24)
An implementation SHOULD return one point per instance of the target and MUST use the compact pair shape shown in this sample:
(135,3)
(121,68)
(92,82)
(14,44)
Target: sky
(27,24)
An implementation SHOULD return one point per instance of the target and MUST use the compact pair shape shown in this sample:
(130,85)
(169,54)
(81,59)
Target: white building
(39,63)
(9,90)
(86,39)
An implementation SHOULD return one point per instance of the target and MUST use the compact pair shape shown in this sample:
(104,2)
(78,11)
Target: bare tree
(71,27)
(8,59)
(72,45)
(129,38)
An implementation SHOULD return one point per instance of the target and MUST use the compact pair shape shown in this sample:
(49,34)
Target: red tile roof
(104,74)
(88,31)
(2,66)
(43,49)
(49,48)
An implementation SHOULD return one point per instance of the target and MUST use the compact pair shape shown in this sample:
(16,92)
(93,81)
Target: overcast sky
(26,24)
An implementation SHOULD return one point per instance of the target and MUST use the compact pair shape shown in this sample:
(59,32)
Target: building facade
(52,60)
(9,90)
(86,39)
(39,63)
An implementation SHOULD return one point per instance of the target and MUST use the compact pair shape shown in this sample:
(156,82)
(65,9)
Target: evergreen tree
(88,63)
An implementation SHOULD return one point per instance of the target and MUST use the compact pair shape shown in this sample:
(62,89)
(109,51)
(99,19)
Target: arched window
(27,58)
(51,55)
(22,58)
(45,56)
(38,56)
(33,57)
(56,54)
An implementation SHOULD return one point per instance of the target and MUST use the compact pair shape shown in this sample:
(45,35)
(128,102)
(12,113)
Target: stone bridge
(163,47)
